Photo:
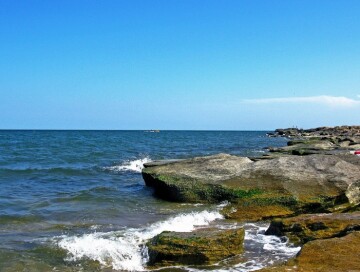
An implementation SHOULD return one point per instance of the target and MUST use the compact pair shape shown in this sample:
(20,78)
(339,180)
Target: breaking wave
(126,250)
(134,165)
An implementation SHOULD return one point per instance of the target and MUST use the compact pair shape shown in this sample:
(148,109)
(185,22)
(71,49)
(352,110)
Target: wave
(134,165)
(126,250)
(93,194)
(52,170)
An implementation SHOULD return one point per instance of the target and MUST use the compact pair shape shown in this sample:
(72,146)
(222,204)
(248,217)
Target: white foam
(263,250)
(134,165)
(271,243)
(125,250)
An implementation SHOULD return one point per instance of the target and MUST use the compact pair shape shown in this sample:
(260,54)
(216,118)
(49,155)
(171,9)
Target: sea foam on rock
(324,255)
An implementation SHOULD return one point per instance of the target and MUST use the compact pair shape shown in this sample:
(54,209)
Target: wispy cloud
(333,101)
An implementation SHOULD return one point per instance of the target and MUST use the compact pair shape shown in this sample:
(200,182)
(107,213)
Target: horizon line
(144,130)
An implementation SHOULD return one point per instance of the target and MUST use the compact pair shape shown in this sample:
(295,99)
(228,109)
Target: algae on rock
(307,227)
(203,246)
(289,184)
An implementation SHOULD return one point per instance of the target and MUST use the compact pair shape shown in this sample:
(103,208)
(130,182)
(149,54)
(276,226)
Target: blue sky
(234,65)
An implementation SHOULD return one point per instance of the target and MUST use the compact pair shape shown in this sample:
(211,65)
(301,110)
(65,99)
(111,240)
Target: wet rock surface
(265,188)
(324,255)
(307,227)
(204,246)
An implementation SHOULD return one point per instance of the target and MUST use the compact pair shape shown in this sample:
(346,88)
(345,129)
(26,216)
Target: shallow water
(76,201)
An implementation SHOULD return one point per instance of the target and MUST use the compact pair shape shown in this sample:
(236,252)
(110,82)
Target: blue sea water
(76,201)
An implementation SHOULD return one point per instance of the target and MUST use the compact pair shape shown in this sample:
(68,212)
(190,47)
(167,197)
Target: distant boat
(156,130)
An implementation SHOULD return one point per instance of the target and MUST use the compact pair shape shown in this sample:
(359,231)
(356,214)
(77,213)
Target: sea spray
(263,250)
(126,249)
(130,165)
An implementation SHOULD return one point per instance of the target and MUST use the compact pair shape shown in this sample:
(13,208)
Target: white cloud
(333,101)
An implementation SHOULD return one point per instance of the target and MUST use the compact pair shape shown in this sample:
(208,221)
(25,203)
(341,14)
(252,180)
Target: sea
(76,201)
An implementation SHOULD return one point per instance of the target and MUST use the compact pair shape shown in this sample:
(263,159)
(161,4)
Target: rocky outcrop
(335,254)
(323,140)
(195,180)
(204,246)
(338,131)
(305,147)
(278,185)
(303,228)
(287,185)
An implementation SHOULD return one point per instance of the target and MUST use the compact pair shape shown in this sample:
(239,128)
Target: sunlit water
(76,201)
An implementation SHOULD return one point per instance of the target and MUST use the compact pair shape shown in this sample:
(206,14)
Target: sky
(184,65)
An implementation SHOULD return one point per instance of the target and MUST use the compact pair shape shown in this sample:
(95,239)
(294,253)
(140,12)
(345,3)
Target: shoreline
(328,183)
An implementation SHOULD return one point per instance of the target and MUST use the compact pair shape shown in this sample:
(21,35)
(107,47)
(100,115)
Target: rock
(307,227)
(353,193)
(312,183)
(335,254)
(195,180)
(305,149)
(255,212)
(160,162)
(288,132)
(311,141)
(339,131)
(204,246)
(319,140)
(350,158)
(354,147)
(344,144)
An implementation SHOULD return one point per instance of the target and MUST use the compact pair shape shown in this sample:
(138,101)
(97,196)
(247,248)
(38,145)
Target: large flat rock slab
(301,183)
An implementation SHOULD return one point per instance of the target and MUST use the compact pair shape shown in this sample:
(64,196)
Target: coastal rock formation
(204,246)
(282,186)
(321,191)
(305,147)
(303,228)
(324,255)
(343,131)
(323,140)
